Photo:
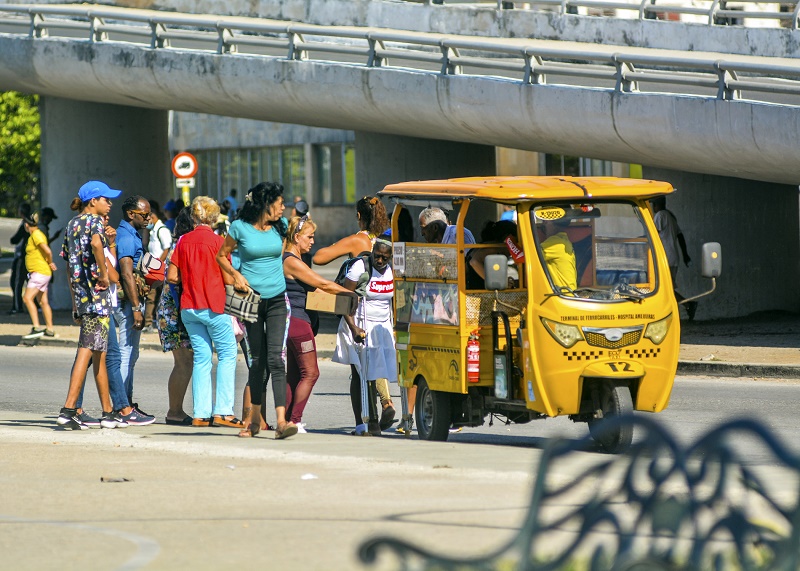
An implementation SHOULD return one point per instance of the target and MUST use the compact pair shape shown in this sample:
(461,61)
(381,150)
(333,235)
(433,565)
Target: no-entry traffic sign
(184,165)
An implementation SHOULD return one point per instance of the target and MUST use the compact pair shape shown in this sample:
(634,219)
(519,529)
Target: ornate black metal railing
(659,506)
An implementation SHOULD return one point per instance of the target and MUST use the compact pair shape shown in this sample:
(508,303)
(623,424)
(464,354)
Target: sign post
(184,167)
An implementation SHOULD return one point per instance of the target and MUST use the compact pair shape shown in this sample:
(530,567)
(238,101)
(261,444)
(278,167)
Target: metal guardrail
(625,71)
(660,506)
(714,12)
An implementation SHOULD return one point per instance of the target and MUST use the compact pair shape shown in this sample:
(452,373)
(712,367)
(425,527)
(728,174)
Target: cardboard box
(340,304)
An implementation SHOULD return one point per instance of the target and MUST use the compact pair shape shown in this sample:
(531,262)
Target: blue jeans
(128,345)
(116,385)
(206,327)
(113,359)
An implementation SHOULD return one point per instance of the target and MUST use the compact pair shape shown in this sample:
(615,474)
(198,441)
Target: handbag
(151,269)
(243,305)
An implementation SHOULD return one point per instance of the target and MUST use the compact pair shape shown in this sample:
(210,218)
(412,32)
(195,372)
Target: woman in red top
(194,266)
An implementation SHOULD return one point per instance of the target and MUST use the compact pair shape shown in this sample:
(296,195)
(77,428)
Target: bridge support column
(386,159)
(126,147)
(758,226)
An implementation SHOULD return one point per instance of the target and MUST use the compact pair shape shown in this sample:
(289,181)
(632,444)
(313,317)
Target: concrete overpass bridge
(683,115)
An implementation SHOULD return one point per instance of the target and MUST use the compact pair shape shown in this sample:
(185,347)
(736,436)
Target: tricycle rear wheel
(433,410)
(615,401)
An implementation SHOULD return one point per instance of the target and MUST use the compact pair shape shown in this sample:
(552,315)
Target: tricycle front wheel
(615,401)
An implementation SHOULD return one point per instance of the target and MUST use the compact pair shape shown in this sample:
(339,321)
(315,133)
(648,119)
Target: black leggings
(267,338)
(355,396)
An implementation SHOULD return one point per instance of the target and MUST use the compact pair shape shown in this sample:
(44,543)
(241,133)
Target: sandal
(288,429)
(186,421)
(251,431)
(232,422)
(387,417)
(201,422)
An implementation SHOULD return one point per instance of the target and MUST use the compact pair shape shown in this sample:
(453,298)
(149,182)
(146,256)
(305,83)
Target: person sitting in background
(559,254)
(436,230)
(39,261)
(493,232)
(302,371)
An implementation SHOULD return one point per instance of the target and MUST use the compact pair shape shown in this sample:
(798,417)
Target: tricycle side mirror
(712,260)
(495,266)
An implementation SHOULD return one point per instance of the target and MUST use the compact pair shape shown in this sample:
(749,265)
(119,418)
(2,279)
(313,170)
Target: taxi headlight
(566,335)
(657,330)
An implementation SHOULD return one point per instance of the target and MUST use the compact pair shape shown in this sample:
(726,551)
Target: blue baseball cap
(96,189)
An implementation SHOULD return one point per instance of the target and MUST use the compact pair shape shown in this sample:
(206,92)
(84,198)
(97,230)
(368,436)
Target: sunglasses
(142,213)
(300,224)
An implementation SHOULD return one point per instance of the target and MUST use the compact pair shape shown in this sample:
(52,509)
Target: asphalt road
(35,381)
(164,497)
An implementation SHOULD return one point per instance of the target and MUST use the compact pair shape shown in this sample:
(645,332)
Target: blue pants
(206,327)
(128,339)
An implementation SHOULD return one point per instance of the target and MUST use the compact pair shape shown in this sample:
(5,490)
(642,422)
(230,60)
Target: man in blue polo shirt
(128,315)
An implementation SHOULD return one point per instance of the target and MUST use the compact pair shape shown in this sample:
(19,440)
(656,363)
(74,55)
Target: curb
(722,369)
(709,368)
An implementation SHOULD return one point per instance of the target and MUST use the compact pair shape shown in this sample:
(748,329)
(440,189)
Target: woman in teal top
(258,236)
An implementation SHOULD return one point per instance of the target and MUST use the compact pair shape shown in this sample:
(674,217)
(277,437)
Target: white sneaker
(301,428)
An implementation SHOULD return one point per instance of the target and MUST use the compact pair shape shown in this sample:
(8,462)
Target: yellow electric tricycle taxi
(564,306)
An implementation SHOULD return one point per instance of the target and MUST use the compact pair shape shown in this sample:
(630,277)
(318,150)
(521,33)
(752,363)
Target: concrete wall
(201,131)
(741,138)
(756,223)
(486,21)
(125,147)
(387,159)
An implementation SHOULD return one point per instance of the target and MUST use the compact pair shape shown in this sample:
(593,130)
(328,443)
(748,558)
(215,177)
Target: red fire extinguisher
(473,358)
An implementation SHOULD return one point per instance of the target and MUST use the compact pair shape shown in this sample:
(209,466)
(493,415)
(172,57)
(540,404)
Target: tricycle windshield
(599,251)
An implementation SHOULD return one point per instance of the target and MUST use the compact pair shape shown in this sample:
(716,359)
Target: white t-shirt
(112,286)
(380,290)
(668,231)
(160,239)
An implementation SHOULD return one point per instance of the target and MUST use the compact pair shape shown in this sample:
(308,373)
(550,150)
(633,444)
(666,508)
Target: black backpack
(347,264)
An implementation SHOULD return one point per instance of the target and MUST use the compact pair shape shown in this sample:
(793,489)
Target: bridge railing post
(38,29)
(224,45)
(795,16)
(624,84)
(156,39)
(532,76)
(724,77)
(96,33)
(374,59)
(295,53)
(447,67)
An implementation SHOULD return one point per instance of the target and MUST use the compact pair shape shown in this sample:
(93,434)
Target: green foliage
(20,150)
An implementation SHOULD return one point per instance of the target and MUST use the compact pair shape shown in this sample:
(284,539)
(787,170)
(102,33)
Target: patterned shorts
(94,332)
